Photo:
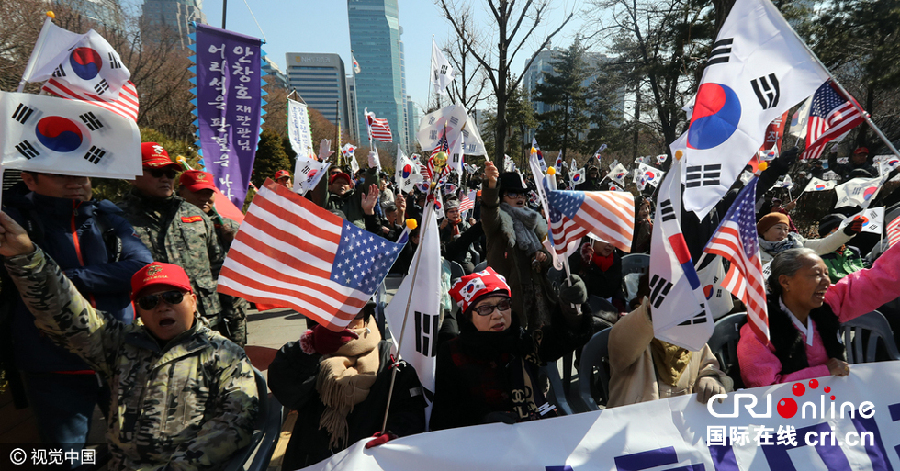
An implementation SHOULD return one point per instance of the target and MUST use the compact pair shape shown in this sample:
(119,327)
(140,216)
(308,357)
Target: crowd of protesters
(116,307)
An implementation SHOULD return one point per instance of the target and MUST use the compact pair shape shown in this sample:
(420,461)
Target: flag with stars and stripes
(290,252)
(467,201)
(830,117)
(893,231)
(680,314)
(608,215)
(736,240)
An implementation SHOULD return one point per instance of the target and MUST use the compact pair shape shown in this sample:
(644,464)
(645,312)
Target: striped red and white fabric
(736,240)
(831,116)
(126,105)
(467,202)
(290,252)
(608,215)
(893,231)
(378,128)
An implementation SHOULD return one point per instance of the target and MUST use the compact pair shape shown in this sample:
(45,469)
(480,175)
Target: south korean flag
(679,310)
(52,135)
(88,65)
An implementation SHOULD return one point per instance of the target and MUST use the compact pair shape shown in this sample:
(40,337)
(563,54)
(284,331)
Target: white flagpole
(36,52)
(429,208)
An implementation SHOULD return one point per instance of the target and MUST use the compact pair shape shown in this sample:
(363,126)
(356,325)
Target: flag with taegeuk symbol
(737,241)
(46,134)
(290,252)
(608,215)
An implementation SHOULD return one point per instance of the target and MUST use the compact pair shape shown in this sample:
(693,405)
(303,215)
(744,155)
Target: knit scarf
(776,247)
(527,223)
(670,360)
(345,377)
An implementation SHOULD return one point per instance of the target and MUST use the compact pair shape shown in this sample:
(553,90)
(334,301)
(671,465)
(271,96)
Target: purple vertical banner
(228,106)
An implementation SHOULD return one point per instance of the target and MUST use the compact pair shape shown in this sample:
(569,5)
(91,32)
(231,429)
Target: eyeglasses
(158,173)
(486,310)
(171,298)
(514,194)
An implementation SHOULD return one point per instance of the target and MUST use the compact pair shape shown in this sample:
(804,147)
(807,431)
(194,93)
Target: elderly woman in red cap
(186,396)
(775,237)
(489,373)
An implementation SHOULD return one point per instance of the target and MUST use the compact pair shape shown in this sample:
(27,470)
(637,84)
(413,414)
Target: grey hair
(787,263)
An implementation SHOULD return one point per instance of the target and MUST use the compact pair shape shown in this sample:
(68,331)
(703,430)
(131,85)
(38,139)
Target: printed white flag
(649,175)
(676,295)
(308,172)
(819,185)
(421,291)
(857,192)
(757,69)
(873,220)
(474,145)
(298,128)
(84,63)
(577,176)
(800,119)
(442,72)
(618,173)
(718,299)
(432,126)
(508,164)
(50,135)
(407,172)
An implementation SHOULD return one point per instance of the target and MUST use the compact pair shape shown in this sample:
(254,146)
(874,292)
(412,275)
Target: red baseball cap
(861,150)
(156,273)
(468,289)
(195,180)
(340,175)
(154,156)
(282,173)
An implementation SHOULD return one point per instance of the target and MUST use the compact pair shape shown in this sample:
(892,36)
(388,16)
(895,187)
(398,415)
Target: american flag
(736,240)
(830,116)
(290,252)
(467,201)
(893,231)
(608,215)
(126,105)
(378,128)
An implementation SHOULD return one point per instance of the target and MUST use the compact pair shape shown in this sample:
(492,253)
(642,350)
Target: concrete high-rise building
(375,41)
(413,116)
(543,66)
(320,81)
(273,74)
(176,15)
(106,13)
(353,115)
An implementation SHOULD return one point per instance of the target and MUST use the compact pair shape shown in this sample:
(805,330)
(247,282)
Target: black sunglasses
(171,298)
(515,194)
(486,310)
(158,173)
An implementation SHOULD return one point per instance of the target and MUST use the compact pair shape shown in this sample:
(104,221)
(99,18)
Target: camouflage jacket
(178,232)
(187,405)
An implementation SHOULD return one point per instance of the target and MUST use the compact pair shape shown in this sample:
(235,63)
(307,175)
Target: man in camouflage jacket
(174,230)
(187,397)
(197,188)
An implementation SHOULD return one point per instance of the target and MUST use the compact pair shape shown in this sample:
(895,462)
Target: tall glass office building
(375,41)
(174,14)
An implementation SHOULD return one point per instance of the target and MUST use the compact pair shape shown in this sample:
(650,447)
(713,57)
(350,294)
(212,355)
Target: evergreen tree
(566,96)
(270,158)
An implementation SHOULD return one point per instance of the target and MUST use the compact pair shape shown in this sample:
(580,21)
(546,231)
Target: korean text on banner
(229,106)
